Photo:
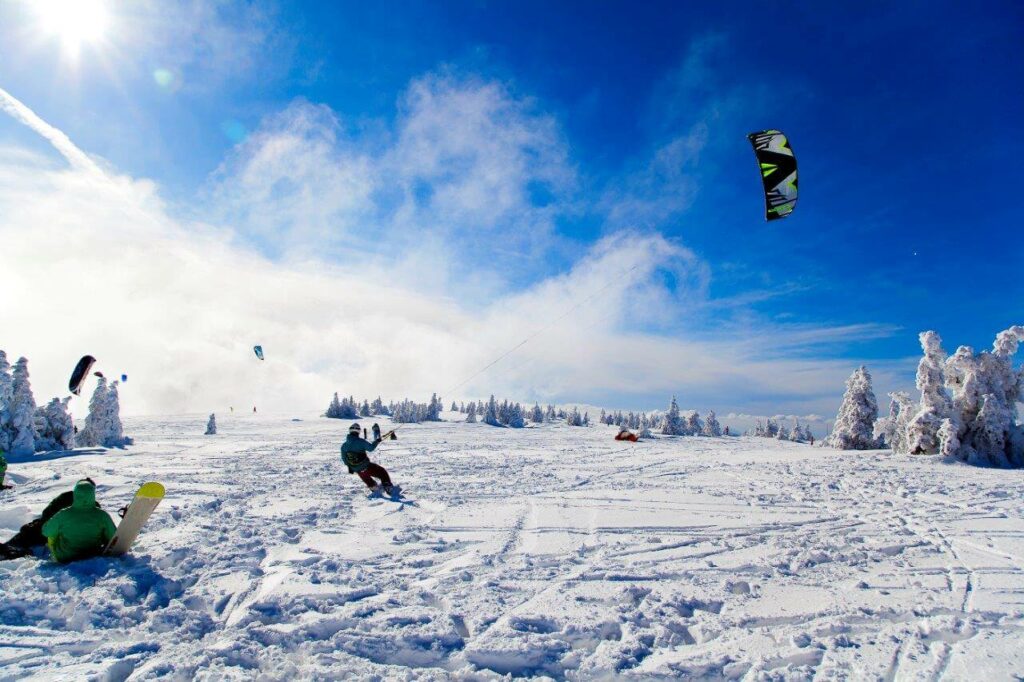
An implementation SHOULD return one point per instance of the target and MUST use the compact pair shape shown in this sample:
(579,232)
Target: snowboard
(145,501)
(396,494)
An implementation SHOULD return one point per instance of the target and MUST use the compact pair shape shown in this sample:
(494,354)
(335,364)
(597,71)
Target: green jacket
(353,453)
(80,531)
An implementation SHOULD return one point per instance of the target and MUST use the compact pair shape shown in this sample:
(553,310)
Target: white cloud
(95,262)
(467,170)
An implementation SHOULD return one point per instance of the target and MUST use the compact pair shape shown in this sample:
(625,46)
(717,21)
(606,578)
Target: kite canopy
(778,172)
(259,351)
(81,371)
(124,378)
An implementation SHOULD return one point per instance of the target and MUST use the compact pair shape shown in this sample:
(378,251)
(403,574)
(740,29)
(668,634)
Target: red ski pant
(374,471)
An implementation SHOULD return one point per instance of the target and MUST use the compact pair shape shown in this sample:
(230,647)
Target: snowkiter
(80,531)
(353,454)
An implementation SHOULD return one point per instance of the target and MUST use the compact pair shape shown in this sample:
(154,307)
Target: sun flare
(74,22)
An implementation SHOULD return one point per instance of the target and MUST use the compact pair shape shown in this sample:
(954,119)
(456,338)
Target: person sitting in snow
(82,530)
(3,470)
(31,534)
(626,434)
(353,454)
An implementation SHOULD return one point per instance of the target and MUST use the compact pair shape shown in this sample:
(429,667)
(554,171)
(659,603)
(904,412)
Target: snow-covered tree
(783,433)
(516,418)
(211,426)
(968,404)
(455,408)
(364,410)
(334,409)
(491,413)
(949,441)
(471,413)
(986,389)
(674,425)
(54,425)
(537,414)
(855,422)
(711,426)
(922,431)
(434,409)
(115,431)
(6,394)
(694,424)
(891,431)
(22,410)
(574,418)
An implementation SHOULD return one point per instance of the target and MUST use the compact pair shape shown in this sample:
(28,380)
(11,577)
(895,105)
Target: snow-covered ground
(544,551)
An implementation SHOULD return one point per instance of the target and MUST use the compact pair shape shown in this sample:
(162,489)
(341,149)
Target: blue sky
(906,121)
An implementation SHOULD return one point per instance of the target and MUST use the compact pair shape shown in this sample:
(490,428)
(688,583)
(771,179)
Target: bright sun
(75,22)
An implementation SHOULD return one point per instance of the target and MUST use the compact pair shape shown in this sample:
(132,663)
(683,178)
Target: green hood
(85,495)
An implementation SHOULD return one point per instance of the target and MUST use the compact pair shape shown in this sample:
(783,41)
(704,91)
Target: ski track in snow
(549,551)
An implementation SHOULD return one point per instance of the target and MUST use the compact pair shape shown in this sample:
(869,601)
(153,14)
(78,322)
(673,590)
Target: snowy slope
(544,551)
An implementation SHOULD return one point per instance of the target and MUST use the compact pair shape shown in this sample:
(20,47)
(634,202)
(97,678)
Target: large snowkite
(81,372)
(259,351)
(778,172)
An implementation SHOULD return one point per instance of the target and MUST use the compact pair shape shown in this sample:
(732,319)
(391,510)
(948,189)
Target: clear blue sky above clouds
(907,120)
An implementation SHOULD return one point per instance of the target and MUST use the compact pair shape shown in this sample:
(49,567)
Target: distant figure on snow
(254,409)
(626,434)
(353,454)
(3,470)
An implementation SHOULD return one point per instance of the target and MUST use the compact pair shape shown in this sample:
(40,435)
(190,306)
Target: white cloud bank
(94,262)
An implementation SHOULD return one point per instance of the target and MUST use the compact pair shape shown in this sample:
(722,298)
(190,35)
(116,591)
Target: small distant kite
(259,351)
(124,378)
(81,371)
(778,172)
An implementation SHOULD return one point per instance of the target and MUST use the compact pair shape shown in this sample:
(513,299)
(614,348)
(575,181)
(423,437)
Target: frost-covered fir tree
(6,393)
(55,427)
(537,414)
(211,425)
(922,431)
(891,431)
(855,422)
(471,413)
(491,413)
(783,433)
(515,418)
(92,432)
(574,418)
(986,390)
(455,408)
(103,424)
(434,408)
(115,431)
(674,425)
(694,424)
(22,409)
(364,410)
(334,409)
(377,407)
(711,426)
